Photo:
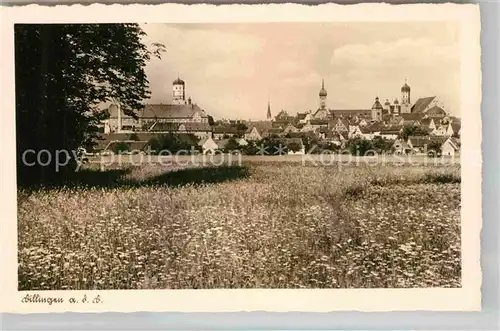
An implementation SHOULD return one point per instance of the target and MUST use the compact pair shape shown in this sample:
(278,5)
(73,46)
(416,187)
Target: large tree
(64,73)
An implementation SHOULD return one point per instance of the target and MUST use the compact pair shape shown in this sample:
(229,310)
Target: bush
(359,146)
(133,136)
(174,143)
(120,147)
(250,149)
(294,146)
(232,145)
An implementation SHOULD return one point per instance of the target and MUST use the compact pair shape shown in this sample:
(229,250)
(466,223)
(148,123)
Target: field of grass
(260,225)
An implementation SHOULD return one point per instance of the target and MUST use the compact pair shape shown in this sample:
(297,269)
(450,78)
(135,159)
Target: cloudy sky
(231,70)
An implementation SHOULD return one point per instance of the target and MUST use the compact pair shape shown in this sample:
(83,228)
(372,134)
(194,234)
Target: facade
(118,121)
(341,126)
(224,131)
(451,147)
(208,145)
(199,129)
(303,118)
(179,111)
(401,147)
(423,144)
(252,134)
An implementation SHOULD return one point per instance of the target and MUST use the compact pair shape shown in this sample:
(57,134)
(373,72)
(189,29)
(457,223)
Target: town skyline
(249,65)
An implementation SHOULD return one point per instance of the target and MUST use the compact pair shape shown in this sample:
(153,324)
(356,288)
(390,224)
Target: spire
(268,109)
(322,92)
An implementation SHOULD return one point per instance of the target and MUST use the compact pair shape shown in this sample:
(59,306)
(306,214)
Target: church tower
(377,110)
(269,117)
(405,94)
(405,98)
(322,95)
(178,92)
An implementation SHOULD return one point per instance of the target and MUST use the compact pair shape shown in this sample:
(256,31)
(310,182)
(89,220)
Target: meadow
(256,225)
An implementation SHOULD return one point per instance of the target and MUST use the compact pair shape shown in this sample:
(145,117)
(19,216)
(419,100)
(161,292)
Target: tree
(241,127)
(274,145)
(294,146)
(250,149)
(231,146)
(382,145)
(434,149)
(211,121)
(63,73)
(359,146)
(409,131)
(174,143)
(120,147)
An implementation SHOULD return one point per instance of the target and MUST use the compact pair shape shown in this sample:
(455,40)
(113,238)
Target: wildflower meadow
(255,225)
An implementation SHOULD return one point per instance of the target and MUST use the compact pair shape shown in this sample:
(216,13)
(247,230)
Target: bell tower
(178,92)
(322,95)
(405,94)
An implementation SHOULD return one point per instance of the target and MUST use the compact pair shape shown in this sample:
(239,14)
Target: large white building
(151,115)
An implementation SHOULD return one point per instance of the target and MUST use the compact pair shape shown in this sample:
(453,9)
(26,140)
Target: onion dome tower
(179,92)
(405,94)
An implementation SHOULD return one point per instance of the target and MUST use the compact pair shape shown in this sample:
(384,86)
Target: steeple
(322,95)
(269,110)
(322,92)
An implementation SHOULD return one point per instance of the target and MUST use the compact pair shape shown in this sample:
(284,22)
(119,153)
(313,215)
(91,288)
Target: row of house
(183,117)
(449,146)
(141,142)
(342,128)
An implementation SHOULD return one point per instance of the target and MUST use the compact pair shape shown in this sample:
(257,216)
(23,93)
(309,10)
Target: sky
(232,70)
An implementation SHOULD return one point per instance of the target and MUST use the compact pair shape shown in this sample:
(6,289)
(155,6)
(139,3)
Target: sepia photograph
(239,155)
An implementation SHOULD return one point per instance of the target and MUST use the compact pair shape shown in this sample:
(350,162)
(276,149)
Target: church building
(397,108)
(186,115)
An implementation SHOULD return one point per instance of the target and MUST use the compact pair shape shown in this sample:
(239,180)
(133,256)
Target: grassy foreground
(261,225)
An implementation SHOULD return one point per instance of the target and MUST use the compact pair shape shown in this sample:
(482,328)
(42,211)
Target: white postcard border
(467,298)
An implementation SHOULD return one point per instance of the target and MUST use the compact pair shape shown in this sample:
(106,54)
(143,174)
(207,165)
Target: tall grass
(279,226)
